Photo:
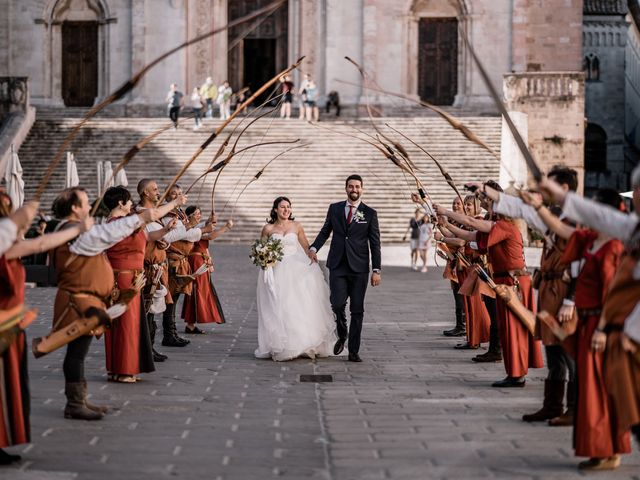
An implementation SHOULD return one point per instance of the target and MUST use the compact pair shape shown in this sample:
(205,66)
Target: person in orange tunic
(502,240)
(556,286)
(618,332)
(478,319)
(14,384)
(203,304)
(85,284)
(127,343)
(596,432)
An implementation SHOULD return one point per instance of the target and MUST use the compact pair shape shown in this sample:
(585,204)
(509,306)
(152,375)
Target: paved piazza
(415,409)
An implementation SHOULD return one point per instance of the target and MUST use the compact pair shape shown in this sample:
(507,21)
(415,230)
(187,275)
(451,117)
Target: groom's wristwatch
(377,270)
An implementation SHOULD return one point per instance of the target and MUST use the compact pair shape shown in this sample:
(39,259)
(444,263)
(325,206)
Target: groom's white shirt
(349,204)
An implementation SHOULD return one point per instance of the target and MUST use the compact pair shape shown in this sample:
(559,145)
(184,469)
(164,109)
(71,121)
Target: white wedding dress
(294,313)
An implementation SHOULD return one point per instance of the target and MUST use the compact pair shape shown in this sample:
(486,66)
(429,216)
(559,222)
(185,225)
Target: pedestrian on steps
(175,101)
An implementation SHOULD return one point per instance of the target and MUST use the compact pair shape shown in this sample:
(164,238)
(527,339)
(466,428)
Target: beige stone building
(76,51)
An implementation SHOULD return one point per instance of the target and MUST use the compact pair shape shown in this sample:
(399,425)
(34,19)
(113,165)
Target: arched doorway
(595,148)
(79,63)
(77,39)
(435,56)
(257,56)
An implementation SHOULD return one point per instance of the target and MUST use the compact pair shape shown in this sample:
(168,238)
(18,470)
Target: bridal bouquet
(266,253)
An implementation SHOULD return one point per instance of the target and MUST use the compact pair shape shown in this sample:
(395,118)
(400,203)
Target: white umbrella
(72,179)
(121,178)
(100,176)
(107,175)
(13,179)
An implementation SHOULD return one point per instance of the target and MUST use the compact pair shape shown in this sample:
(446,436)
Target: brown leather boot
(75,407)
(103,409)
(566,419)
(552,404)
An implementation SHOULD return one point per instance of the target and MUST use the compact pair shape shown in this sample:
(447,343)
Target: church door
(257,55)
(438,60)
(79,63)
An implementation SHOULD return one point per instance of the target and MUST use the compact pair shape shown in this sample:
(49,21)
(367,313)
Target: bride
(294,314)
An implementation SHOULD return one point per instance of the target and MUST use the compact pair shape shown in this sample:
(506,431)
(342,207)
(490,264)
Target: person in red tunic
(203,304)
(127,342)
(478,320)
(14,387)
(596,431)
(502,241)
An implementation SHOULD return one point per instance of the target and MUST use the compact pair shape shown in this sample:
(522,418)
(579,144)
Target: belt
(552,275)
(84,293)
(613,328)
(588,312)
(132,271)
(511,273)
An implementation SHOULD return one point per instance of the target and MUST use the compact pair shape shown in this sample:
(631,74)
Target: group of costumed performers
(587,314)
(112,278)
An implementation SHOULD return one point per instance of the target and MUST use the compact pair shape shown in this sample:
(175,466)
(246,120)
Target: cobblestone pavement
(414,409)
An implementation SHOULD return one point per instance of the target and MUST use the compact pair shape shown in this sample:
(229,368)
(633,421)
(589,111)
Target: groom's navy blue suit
(348,264)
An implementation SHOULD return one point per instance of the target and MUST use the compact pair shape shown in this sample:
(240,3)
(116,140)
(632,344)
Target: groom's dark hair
(353,177)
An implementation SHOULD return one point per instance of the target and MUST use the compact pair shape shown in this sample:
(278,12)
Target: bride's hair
(273,216)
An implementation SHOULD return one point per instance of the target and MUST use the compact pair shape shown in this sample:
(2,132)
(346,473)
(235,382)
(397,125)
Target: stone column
(219,42)
(138,48)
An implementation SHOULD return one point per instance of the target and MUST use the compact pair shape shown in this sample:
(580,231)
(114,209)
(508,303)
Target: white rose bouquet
(266,253)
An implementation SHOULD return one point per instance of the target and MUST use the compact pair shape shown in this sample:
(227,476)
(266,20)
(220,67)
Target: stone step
(312,177)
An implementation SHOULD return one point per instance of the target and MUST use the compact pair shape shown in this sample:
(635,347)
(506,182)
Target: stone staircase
(311,177)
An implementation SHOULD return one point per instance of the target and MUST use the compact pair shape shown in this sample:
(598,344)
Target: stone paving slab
(414,409)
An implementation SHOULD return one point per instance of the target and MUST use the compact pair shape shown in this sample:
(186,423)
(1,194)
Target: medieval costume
(597,434)
(14,380)
(127,343)
(555,287)
(506,255)
(202,305)
(85,284)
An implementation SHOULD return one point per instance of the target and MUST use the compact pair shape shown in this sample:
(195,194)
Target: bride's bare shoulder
(267,229)
(297,225)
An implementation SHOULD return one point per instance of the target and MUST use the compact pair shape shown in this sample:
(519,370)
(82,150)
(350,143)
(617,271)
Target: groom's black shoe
(354,357)
(339,346)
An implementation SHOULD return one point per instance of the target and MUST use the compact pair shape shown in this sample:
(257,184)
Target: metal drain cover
(316,378)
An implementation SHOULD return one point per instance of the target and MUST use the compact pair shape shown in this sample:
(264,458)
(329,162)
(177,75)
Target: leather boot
(170,333)
(566,419)
(103,409)
(552,403)
(494,354)
(151,321)
(460,330)
(76,407)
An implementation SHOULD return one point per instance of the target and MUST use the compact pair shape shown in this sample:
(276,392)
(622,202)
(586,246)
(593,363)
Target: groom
(355,232)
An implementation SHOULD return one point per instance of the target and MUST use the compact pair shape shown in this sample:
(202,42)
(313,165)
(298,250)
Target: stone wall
(605,38)
(547,35)
(554,105)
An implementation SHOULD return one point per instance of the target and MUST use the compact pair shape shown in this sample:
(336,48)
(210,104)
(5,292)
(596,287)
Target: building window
(591,67)
(595,148)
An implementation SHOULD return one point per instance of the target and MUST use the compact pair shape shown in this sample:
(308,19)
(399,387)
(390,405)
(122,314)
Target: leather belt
(589,312)
(613,328)
(511,273)
(130,270)
(552,275)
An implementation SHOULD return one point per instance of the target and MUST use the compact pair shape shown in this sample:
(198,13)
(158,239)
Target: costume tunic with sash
(622,372)
(506,254)
(596,433)
(476,314)
(14,379)
(203,305)
(127,343)
(85,276)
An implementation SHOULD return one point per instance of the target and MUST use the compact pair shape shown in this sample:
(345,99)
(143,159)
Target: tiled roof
(605,7)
